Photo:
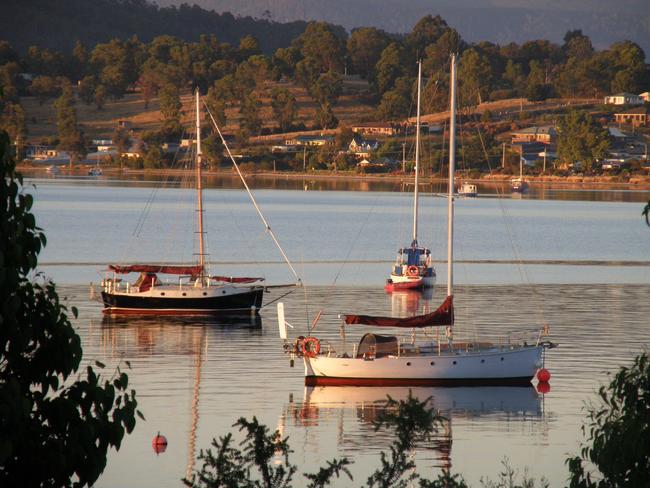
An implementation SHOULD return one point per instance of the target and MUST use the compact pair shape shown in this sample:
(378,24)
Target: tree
(12,120)
(249,46)
(581,139)
(71,138)
(364,48)
(577,45)
(285,60)
(619,429)
(212,147)
(44,88)
(153,157)
(57,422)
(86,90)
(216,106)
(100,96)
(325,118)
(122,139)
(251,123)
(327,88)
(283,104)
(170,107)
(321,43)
(427,31)
(475,77)
(436,56)
(388,68)
(393,105)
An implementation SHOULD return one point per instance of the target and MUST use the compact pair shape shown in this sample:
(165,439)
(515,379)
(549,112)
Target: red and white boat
(413,267)
(436,359)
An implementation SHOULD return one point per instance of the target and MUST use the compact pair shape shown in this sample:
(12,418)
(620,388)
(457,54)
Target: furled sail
(236,279)
(444,315)
(156,268)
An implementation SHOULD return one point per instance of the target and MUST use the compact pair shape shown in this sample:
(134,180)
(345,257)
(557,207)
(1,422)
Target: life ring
(310,347)
(413,271)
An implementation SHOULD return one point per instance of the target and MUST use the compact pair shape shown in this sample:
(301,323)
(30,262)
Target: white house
(645,96)
(624,98)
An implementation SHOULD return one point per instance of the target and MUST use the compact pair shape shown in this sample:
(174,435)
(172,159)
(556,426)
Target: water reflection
(160,336)
(409,303)
(355,410)
(556,190)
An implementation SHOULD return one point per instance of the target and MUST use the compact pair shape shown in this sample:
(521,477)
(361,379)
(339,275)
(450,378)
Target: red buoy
(543,375)
(159,443)
(543,387)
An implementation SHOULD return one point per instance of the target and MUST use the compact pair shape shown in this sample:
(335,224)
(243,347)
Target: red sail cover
(443,316)
(154,268)
(234,279)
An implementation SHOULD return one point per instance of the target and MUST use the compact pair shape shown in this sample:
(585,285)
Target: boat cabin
(412,256)
(377,346)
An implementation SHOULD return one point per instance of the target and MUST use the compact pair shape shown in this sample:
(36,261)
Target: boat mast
(452,169)
(199,187)
(417,160)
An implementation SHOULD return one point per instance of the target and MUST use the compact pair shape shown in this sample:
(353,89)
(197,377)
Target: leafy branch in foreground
(53,431)
(619,432)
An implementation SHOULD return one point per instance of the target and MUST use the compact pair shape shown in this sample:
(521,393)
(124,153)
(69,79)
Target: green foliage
(251,122)
(325,118)
(365,46)
(388,68)
(55,430)
(580,138)
(283,104)
(618,432)
(70,136)
(170,107)
(326,47)
(45,88)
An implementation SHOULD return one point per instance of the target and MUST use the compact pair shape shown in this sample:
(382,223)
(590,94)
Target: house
(376,128)
(135,151)
(377,166)
(310,141)
(636,117)
(546,134)
(645,96)
(623,98)
(362,147)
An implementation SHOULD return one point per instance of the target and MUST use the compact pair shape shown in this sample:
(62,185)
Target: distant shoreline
(602,181)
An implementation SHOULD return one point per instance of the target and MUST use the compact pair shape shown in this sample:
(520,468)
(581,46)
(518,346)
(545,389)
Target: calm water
(587,274)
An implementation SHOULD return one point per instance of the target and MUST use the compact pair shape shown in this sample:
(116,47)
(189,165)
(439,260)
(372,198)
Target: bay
(586,274)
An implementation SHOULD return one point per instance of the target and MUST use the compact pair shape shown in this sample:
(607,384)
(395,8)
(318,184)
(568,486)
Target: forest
(235,77)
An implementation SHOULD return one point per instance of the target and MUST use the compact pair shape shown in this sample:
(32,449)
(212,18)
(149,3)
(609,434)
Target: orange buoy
(159,443)
(543,387)
(543,375)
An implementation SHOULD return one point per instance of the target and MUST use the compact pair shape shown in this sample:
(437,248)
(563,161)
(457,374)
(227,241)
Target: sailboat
(193,290)
(519,185)
(413,267)
(387,360)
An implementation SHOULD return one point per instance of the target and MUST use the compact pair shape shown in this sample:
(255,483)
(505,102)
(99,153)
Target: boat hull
(493,367)
(239,301)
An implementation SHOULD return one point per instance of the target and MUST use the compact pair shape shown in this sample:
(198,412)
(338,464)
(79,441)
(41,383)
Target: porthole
(223,292)
(454,362)
(501,359)
(184,294)
(409,363)
(162,294)
(433,363)
(482,360)
(205,294)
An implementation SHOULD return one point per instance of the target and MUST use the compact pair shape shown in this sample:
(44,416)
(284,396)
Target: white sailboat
(519,185)
(413,267)
(193,291)
(387,360)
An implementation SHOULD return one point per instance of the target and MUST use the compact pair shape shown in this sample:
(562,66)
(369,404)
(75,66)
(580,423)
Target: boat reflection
(409,303)
(504,406)
(144,336)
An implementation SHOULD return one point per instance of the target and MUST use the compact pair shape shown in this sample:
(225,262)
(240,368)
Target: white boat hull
(489,367)
(427,281)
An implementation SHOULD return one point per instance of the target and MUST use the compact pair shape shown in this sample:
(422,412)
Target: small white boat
(434,359)
(413,267)
(467,190)
(519,185)
(95,171)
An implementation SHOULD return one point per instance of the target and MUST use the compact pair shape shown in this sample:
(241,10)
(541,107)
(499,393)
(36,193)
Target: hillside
(58,24)
(500,21)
